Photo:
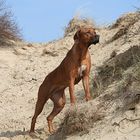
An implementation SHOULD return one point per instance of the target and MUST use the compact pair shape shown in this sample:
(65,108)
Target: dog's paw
(88,98)
(34,135)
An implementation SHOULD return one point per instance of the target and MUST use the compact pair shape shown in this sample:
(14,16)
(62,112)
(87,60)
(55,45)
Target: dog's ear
(76,36)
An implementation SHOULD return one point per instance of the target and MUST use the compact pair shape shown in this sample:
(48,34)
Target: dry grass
(50,53)
(113,69)
(126,20)
(79,120)
(125,92)
(124,98)
(8,27)
(76,23)
(124,24)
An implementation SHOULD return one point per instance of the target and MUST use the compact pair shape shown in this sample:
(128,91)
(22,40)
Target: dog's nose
(97,37)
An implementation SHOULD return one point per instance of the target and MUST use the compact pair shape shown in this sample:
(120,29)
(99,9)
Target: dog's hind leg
(59,100)
(39,107)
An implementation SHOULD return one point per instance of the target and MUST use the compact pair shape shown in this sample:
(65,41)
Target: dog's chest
(81,69)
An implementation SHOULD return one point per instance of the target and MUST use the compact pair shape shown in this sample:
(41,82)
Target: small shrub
(79,120)
(8,27)
(76,23)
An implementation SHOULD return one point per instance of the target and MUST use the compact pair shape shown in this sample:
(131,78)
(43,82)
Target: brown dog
(75,66)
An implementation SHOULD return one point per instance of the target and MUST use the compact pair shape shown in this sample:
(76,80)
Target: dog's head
(87,36)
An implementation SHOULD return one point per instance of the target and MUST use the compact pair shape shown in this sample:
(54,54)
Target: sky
(45,20)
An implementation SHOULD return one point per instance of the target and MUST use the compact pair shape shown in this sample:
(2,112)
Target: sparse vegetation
(50,53)
(8,27)
(113,69)
(119,80)
(124,25)
(79,120)
(76,23)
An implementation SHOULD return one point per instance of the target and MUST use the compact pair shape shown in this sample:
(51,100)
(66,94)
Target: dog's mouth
(96,39)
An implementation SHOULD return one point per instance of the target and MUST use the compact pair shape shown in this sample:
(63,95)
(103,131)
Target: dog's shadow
(24,134)
(10,134)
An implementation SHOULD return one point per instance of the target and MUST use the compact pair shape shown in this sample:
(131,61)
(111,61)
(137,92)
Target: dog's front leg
(85,81)
(71,91)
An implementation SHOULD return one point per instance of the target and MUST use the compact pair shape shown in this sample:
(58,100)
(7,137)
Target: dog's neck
(81,49)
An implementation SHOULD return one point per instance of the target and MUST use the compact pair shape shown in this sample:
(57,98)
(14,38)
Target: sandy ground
(23,68)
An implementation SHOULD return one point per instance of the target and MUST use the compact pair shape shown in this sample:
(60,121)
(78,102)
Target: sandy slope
(23,68)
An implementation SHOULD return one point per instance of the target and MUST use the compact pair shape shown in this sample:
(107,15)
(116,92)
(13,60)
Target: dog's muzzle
(96,39)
